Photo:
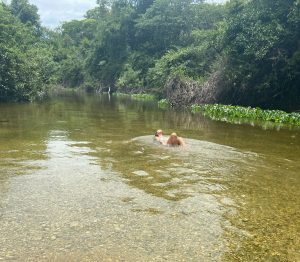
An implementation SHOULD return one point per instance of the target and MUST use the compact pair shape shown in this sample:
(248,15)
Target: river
(81,180)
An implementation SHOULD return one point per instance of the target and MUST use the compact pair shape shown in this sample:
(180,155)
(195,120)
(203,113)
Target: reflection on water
(81,180)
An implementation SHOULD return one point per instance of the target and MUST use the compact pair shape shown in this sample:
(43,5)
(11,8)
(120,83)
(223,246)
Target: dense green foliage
(26,60)
(25,12)
(229,112)
(263,53)
(139,45)
(243,52)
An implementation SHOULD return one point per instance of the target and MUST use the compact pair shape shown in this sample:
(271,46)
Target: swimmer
(158,137)
(175,140)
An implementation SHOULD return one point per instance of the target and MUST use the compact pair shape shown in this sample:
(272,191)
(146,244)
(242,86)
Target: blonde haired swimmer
(175,140)
(158,137)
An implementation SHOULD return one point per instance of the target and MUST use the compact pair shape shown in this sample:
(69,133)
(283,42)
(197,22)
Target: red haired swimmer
(175,140)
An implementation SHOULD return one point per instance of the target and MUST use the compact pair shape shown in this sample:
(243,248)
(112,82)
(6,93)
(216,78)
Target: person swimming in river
(158,137)
(173,140)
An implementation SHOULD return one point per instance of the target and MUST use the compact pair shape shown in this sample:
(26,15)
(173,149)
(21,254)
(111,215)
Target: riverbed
(82,180)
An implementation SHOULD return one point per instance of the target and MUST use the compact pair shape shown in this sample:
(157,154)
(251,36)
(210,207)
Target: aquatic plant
(163,103)
(121,94)
(143,97)
(228,112)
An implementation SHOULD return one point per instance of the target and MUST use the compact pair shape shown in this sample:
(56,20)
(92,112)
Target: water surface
(81,180)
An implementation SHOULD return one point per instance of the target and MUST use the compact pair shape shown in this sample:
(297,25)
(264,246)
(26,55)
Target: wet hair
(173,140)
(157,132)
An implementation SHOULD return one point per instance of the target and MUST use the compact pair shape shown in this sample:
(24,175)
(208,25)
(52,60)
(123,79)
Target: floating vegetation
(163,103)
(121,94)
(143,97)
(146,97)
(229,113)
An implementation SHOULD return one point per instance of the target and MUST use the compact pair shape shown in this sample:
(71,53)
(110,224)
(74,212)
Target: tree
(26,12)
(143,5)
(261,42)
(162,25)
(26,61)
(110,47)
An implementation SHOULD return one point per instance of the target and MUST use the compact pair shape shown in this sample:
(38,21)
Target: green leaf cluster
(26,56)
(261,43)
(143,97)
(163,103)
(26,63)
(229,112)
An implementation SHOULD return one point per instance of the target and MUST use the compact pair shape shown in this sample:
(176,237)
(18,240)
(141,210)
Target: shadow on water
(83,169)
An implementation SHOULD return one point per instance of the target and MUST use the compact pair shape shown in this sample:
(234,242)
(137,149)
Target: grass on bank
(145,97)
(163,103)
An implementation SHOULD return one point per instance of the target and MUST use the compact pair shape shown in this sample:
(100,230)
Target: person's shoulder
(181,141)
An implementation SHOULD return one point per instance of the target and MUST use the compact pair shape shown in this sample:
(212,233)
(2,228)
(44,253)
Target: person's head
(158,132)
(173,139)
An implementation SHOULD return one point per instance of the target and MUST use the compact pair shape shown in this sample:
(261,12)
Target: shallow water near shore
(82,180)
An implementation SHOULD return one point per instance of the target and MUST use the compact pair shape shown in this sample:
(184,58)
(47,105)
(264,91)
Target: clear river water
(82,180)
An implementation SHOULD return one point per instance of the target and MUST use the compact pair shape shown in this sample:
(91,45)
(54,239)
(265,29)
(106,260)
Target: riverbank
(229,113)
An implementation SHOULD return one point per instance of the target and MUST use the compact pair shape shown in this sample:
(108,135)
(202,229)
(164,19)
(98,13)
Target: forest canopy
(243,52)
